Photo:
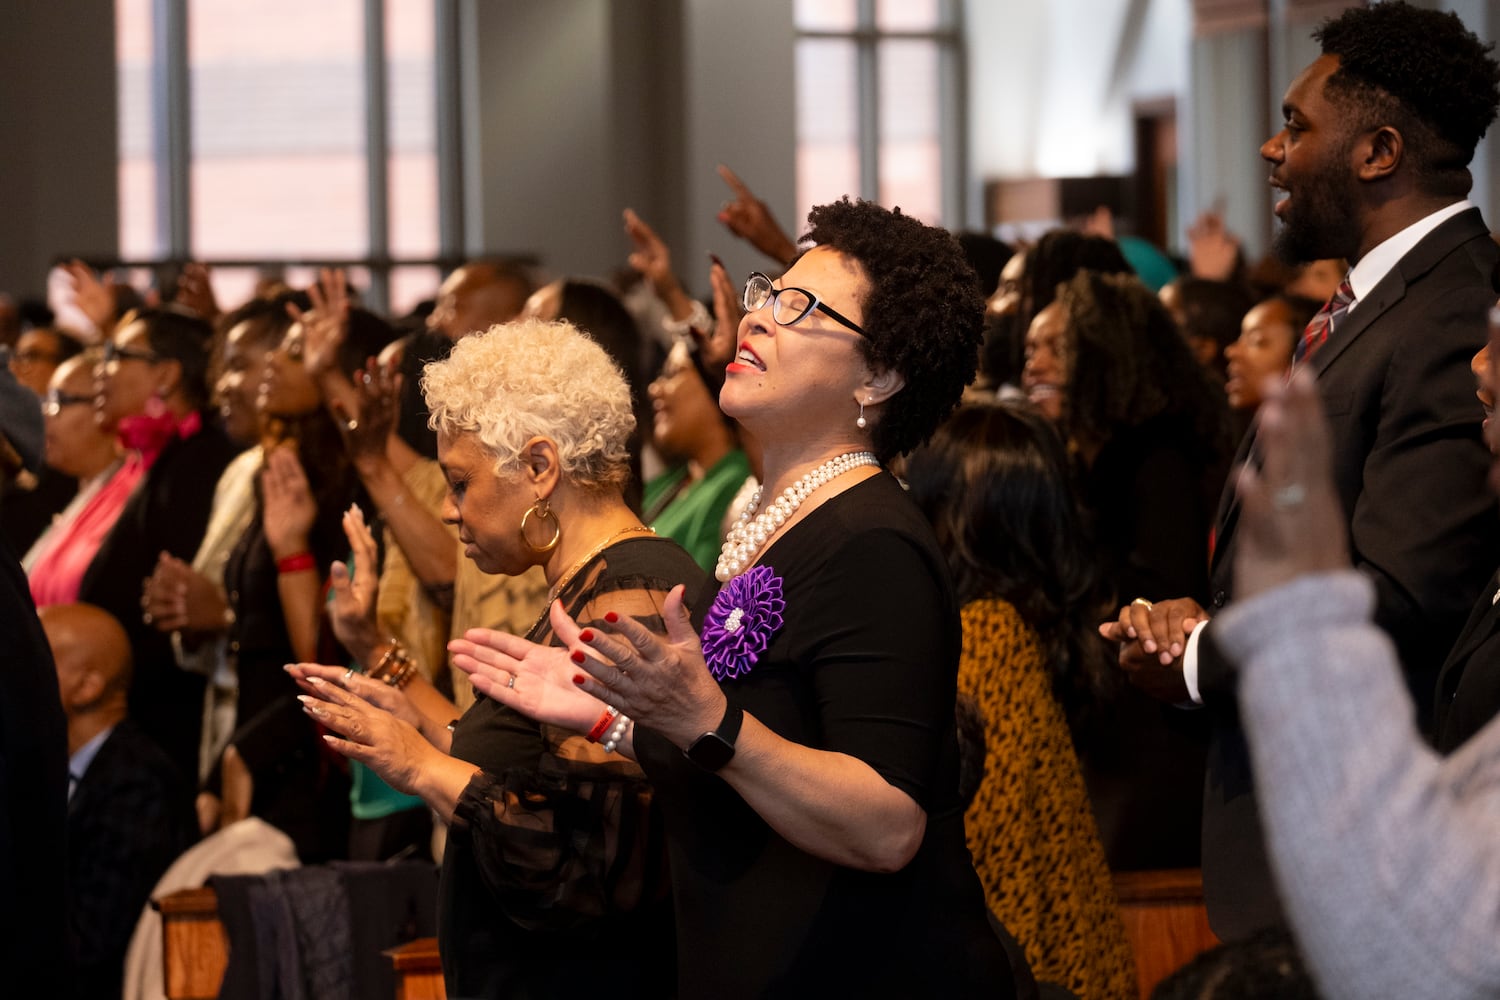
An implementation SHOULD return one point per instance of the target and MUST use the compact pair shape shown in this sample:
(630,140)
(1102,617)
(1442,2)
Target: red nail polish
(587,635)
(611,617)
(578,656)
(579,678)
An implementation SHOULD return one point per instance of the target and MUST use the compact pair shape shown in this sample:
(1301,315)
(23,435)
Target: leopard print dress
(1029,827)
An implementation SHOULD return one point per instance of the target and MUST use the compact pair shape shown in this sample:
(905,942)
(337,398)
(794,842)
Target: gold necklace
(567,577)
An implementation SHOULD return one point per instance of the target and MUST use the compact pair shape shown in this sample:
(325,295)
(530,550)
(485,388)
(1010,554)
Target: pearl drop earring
(861,423)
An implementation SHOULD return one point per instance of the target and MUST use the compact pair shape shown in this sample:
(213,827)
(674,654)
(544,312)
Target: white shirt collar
(1378,262)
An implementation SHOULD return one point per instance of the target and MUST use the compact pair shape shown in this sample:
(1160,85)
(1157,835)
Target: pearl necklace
(746,536)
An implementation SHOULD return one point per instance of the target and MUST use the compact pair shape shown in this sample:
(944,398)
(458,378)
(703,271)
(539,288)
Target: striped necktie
(1316,334)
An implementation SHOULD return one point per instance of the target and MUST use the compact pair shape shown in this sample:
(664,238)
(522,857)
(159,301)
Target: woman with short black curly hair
(803,746)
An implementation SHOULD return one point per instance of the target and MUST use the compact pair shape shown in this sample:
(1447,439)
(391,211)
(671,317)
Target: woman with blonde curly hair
(554,879)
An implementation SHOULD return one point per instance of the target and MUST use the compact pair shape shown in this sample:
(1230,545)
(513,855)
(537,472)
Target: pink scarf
(58,572)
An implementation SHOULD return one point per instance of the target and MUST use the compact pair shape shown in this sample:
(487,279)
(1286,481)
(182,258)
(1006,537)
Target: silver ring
(344,680)
(352,425)
(1289,497)
(512,682)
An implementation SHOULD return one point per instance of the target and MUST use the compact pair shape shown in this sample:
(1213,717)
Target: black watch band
(715,748)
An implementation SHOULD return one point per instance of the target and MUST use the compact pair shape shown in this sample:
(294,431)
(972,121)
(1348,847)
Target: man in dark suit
(1373,160)
(129,809)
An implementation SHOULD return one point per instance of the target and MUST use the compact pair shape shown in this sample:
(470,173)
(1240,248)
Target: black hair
(1422,72)
(1262,966)
(987,256)
(1059,255)
(1300,311)
(599,313)
(923,314)
(411,419)
(1212,310)
(995,483)
(1130,364)
(176,335)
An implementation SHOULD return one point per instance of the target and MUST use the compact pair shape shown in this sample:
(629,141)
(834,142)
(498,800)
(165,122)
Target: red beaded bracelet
(602,725)
(296,563)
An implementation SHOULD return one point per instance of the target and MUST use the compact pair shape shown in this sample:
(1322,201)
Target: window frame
(867,37)
(171,150)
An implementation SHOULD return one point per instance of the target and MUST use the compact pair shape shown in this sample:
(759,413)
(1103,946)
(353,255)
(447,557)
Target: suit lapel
(1390,290)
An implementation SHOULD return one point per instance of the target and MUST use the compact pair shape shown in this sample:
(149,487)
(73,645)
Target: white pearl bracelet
(622,722)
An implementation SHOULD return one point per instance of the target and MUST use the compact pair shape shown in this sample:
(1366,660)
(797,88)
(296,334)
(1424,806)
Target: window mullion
(377,153)
(869,103)
(171,138)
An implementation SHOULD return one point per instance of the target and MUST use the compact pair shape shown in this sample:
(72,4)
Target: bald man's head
(477,296)
(92,653)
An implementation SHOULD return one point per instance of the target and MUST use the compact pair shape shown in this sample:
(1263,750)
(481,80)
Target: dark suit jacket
(167,512)
(1410,467)
(33,791)
(1468,689)
(129,818)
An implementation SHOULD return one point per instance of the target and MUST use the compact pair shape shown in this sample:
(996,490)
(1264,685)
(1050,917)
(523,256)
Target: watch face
(710,751)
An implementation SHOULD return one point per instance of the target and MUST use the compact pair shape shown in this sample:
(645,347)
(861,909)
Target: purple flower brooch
(744,618)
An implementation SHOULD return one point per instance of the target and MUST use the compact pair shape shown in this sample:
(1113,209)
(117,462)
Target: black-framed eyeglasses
(33,357)
(54,401)
(789,306)
(114,352)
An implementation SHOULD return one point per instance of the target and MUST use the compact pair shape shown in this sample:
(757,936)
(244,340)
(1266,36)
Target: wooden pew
(1165,921)
(196,952)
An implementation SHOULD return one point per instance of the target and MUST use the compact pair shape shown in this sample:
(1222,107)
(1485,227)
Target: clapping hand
(176,597)
(659,682)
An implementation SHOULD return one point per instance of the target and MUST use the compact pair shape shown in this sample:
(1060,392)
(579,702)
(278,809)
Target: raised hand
(195,291)
(377,397)
(748,218)
(1292,522)
(719,348)
(95,297)
(1213,250)
(651,255)
(326,326)
(289,509)
(352,610)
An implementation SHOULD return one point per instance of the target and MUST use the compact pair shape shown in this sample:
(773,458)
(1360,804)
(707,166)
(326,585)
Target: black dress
(865,664)
(554,880)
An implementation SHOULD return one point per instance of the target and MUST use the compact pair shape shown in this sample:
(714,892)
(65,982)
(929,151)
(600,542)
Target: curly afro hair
(923,313)
(1130,364)
(1421,71)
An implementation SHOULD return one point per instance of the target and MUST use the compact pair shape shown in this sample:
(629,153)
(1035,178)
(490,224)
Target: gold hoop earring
(542,511)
